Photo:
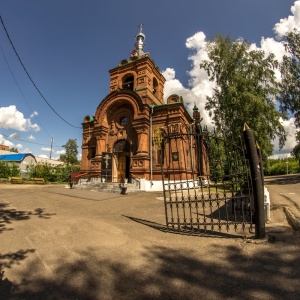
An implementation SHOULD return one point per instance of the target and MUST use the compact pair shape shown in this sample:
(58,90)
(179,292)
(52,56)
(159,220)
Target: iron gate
(208,183)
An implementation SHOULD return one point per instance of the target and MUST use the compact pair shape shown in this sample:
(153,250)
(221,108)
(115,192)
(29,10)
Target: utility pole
(51,147)
(150,137)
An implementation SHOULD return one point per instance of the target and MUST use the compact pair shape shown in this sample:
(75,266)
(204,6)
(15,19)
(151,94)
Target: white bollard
(267,205)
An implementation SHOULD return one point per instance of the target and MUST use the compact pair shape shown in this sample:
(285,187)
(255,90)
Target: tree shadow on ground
(7,261)
(9,215)
(6,286)
(11,258)
(226,272)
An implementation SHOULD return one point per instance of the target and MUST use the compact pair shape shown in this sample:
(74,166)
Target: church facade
(124,140)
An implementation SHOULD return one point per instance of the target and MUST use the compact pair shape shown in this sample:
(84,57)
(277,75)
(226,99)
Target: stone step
(108,187)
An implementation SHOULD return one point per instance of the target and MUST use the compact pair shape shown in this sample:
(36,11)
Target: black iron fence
(212,183)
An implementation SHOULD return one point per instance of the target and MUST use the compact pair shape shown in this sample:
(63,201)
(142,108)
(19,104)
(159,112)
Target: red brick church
(123,139)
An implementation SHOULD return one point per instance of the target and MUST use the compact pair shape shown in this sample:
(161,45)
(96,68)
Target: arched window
(92,148)
(128,82)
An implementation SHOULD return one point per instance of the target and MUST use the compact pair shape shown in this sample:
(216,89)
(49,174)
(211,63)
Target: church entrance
(122,153)
(123,168)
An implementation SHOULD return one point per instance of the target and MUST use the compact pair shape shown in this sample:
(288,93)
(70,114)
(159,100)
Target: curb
(289,199)
(293,221)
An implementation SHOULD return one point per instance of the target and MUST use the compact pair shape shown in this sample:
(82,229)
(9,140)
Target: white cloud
(169,74)
(270,45)
(31,137)
(43,156)
(15,136)
(197,41)
(46,149)
(11,118)
(199,85)
(174,86)
(19,146)
(288,24)
(60,152)
(34,127)
(199,82)
(290,128)
(33,114)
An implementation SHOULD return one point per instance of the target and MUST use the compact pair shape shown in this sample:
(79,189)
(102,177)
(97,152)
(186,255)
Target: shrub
(9,169)
(281,166)
(51,174)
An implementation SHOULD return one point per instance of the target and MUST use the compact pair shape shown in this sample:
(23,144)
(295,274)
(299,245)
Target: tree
(290,73)
(12,149)
(290,84)
(245,90)
(70,157)
(296,150)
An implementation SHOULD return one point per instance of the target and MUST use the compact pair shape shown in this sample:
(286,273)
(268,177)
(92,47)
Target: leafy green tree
(296,150)
(12,149)
(71,152)
(246,87)
(217,157)
(290,84)
(290,74)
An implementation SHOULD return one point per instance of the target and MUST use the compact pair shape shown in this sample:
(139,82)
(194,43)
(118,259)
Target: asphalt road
(59,243)
(285,193)
(286,185)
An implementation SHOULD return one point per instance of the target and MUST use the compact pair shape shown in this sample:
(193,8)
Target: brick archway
(121,146)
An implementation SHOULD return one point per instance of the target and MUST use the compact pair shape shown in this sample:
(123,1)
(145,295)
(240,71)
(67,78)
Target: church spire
(139,44)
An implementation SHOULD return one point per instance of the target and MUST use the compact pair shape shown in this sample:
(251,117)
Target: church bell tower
(140,74)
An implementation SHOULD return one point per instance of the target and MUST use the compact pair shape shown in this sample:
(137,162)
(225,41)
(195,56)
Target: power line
(31,78)
(7,136)
(21,90)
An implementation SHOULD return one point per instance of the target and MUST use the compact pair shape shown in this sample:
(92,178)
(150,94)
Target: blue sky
(68,47)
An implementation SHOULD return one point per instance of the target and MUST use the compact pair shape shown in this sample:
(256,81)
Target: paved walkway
(60,243)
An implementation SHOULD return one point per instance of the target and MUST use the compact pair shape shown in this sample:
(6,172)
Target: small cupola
(139,44)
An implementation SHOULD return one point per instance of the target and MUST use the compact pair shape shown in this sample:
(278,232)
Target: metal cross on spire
(141,27)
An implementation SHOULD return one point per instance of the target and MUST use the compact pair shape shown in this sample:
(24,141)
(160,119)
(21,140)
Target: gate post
(257,184)
(261,164)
